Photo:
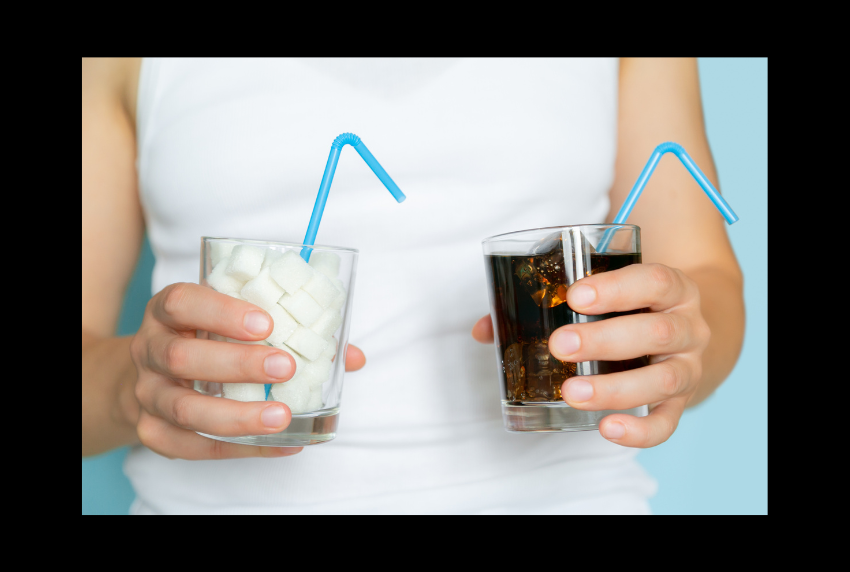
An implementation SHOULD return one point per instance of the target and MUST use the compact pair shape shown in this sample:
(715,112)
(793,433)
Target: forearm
(722,305)
(109,403)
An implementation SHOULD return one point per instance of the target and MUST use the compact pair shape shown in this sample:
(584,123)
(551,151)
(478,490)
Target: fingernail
(582,295)
(273,416)
(277,366)
(256,322)
(579,390)
(613,430)
(565,342)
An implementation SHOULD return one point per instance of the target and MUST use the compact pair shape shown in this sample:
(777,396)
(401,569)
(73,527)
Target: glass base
(306,429)
(555,417)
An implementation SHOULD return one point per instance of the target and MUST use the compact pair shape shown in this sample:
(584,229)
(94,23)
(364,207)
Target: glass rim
(564,227)
(278,243)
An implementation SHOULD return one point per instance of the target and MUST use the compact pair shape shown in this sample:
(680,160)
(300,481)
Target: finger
(652,286)
(191,410)
(176,443)
(624,390)
(482,331)
(219,362)
(623,337)
(354,358)
(185,306)
(643,432)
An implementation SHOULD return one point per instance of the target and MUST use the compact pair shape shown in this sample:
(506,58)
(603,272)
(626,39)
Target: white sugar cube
(330,351)
(338,302)
(221,282)
(245,262)
(291,272)
(294,393)
(321,289)
(315,402)
(284,326)
(325,262)
(327,323)
(219,251)
(262,290)
(272,256)
(302,307)
(317,372)
(307,343)
(244,391)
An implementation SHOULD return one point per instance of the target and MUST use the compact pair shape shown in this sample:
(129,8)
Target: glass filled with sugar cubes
(310,304)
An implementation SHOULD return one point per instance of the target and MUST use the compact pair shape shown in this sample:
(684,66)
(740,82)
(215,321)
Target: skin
(139,389)
(690,279)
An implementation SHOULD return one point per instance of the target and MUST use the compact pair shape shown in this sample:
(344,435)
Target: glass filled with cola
(528,274)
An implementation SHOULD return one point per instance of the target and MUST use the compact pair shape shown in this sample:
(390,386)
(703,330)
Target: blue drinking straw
(689,164)
(328,177)
(325,187)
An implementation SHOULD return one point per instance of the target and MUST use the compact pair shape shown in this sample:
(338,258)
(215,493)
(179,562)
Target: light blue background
(716,463)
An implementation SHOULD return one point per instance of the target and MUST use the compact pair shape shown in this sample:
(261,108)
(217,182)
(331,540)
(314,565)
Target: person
(187,148)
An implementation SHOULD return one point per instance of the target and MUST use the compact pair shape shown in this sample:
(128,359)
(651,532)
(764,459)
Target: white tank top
(480,147)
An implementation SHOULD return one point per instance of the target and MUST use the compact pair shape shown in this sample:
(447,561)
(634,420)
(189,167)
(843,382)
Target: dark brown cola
(528,297)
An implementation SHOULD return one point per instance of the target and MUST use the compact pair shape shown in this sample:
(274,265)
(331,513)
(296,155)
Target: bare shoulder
(111,80)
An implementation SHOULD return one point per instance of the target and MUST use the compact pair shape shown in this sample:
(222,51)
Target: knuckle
(703,332)
(146,432)
(141,392)
(217,451)
(245,365)
(172,298)
(668,379)
(181,411)
(137,349)
(663,277)
(664,330)
(175,356)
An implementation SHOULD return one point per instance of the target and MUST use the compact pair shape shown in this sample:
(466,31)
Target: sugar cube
(325,262)
(315,402)
(294,393)
(219,251)
(317,372)
(284,326)
(291,272)
(338,302)
(262,290)
(330,351)
(244,391)
(272,256)
(221,282)
(321,289)
(307,343)
(302,307)
(245,262)
(327,323)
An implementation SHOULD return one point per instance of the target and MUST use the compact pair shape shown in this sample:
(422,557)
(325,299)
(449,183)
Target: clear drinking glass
(310,305)
(528,273)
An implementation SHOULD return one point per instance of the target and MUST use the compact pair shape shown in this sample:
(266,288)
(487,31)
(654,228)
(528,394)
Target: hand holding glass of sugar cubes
(310,305)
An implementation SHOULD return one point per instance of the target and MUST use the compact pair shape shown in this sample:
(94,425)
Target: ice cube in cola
(529,301)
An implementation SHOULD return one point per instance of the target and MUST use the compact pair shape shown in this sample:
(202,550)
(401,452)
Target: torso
(237,148)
